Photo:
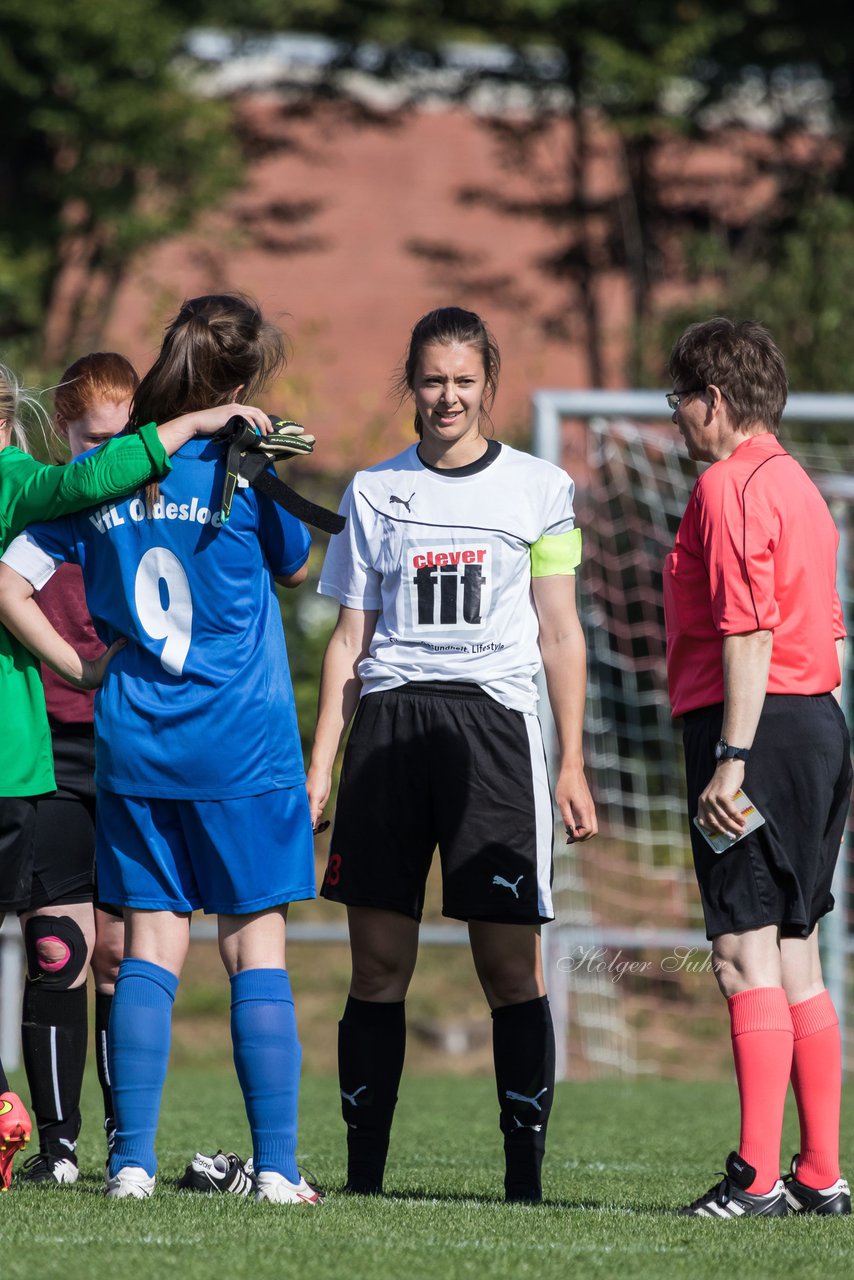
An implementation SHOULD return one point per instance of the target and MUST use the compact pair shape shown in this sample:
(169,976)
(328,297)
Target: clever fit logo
(451,585)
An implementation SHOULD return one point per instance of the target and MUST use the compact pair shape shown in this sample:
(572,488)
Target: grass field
(621,1156)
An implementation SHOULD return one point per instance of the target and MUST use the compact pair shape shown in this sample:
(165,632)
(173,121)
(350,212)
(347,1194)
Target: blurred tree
(616,71)
(650,73)
(802,286)
(628,79)
(109,145)
(106,148)
(790,265)
(579,61)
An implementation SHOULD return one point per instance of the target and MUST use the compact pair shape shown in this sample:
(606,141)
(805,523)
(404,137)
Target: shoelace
(720,1191)
(41,1160)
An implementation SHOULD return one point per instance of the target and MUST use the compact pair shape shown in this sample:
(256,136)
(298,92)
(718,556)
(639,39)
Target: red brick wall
(350,229)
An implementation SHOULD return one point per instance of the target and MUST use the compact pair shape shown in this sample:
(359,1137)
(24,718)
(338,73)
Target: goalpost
(627,961)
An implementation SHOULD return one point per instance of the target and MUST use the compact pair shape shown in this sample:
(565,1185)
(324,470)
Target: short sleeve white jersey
(446,559)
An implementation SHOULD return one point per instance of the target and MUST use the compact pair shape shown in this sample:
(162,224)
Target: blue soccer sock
(139,1039)
(267,1055)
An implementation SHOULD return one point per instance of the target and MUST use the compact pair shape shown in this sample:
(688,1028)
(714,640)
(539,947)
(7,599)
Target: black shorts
(17,843)
(444,764)
(64,853)
(799,778)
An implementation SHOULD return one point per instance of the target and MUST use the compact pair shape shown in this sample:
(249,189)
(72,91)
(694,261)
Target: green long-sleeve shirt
(31,491)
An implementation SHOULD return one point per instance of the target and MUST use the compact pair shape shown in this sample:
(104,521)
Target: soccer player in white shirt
(455,577)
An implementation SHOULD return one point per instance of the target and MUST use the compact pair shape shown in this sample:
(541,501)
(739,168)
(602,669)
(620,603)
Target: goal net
(628,964)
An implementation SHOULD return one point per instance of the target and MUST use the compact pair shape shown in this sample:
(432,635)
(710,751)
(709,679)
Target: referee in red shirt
(754,658)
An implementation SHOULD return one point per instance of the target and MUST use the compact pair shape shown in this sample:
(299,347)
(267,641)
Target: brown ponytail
(215,345)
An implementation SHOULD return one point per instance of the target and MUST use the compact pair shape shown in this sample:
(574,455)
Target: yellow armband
(556,554)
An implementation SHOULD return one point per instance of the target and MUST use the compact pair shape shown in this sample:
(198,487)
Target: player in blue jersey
(30,491)
(201,797)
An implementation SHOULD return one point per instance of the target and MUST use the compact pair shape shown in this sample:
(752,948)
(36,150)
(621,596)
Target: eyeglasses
(675,398)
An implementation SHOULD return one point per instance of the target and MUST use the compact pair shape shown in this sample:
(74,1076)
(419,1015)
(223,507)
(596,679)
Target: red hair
(100,376)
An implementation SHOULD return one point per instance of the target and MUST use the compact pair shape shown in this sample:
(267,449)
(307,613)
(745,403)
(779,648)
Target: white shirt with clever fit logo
(446,559)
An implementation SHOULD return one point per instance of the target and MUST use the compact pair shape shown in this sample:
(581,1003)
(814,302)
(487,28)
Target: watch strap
(723,751)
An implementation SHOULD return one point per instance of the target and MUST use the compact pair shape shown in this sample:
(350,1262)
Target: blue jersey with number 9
(199,705)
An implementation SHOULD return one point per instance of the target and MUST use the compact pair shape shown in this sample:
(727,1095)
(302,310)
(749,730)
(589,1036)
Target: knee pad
(58,975)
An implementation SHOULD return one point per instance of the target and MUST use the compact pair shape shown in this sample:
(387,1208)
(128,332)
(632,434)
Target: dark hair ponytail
(214,345)
(451,326)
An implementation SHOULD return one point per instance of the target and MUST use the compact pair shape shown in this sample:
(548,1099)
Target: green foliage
(805,290)
(391,22)
(799,280)
(107,147)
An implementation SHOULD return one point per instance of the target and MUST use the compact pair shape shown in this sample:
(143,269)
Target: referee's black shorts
(799,778)
(444,764)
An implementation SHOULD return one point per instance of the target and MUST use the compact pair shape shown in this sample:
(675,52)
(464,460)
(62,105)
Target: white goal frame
(551,408)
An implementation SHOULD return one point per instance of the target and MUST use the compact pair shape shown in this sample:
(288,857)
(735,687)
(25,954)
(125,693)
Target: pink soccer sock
(761,1028)
(817,1082)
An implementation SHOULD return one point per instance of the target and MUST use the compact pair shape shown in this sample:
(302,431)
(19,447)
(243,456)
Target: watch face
(720,750)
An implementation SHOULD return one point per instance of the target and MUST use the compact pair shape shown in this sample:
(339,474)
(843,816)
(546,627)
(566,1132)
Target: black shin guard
(371,1048)
(103,1004)
(523,1046)
(54,1032)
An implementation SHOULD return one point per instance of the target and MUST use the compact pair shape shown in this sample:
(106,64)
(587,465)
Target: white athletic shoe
(131,1182)
(48,1168)
(276,1188)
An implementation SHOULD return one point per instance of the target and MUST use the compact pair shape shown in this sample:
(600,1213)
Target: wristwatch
(723,751)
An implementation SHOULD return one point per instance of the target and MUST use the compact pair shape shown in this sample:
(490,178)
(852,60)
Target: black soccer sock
(371,1048)
(523,1047)
(54,1032)
(103,1004)
(5,1087)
